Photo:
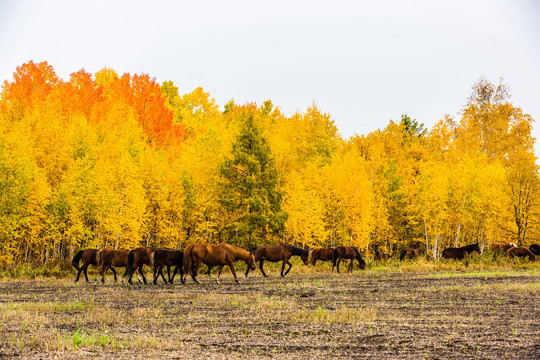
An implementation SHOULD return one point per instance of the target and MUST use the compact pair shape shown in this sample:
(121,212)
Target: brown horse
(214,255)
(521,252)
(459,253)
(347,252)
(282,252)
(88,257)
(501,248)
(411,253)
(535,249)
(108,259)
(137,258)
(161,258)
(322,254)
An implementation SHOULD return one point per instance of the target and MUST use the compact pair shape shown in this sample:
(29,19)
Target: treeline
(119,161)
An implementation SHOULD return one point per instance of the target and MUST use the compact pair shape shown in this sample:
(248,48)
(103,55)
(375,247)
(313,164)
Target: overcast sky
(364,62)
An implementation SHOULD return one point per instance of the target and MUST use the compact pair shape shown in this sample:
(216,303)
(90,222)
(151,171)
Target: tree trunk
(456,240)
(426,235)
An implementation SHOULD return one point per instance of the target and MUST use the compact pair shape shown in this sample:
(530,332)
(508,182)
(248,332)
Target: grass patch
(343,315)
(57,270)
(74,305)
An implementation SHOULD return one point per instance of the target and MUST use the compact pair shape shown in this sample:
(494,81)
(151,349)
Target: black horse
(535,249)
(459,253)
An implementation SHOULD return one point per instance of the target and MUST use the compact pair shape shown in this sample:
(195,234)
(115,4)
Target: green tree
(249,190)
(412,127)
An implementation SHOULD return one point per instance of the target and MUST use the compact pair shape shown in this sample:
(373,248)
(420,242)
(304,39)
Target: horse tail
(98,257)
(76,259)
(130,262)
(402,256)
(187,261)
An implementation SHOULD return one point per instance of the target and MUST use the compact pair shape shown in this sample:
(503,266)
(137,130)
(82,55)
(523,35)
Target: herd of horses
(188,261)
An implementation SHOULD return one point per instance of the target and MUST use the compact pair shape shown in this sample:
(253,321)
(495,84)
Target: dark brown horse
(347,252)
(161,258)
(459,253)
(214,255)
(411,253)
(501,248)
(535,249)
(282,252)
(521,252)
(322,254)
(88,257)
(108,259)
(137,258)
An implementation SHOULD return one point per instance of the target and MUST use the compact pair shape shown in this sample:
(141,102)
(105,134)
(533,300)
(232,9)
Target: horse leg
(261,267)
(161,273)
(99,272)
(131,275)
(155,273)
(350,268)
(174,273)
(114,273)
(339,261)
(194,270)
(283,267)
(142,274)
(139,276)
(103,273)
(231,266)
(79,273)
(210,267)
(86,273)
(220,268)
(289,269)
(169,273)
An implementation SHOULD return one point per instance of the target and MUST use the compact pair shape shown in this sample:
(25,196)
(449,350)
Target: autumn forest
(119,160)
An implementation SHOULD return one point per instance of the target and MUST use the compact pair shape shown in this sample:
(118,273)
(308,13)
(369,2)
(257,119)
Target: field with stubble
(367,314)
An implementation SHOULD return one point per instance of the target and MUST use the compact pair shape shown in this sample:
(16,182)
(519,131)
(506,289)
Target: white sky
(364,62)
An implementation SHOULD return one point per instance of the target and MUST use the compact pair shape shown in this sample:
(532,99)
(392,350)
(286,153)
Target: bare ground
(360,315)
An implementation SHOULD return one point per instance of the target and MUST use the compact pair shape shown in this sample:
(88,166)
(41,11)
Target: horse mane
(470,246)
(298,251)
(236,251)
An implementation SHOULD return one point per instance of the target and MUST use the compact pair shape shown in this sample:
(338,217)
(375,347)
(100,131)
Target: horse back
(324,254)
(270,253)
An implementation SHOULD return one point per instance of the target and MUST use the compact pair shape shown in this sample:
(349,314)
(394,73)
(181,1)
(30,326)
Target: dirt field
(486,315)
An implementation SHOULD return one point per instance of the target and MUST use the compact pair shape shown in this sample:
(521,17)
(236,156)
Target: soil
(356,316)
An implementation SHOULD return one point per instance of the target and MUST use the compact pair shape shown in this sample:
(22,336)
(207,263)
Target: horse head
(251,262)
(305,256)
(362,264)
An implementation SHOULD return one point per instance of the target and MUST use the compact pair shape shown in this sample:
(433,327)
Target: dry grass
(398,315)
